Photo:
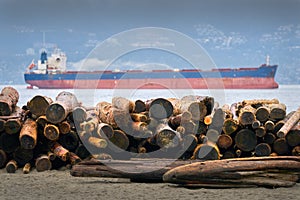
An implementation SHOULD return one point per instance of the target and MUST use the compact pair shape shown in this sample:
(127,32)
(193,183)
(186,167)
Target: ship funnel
(43,57)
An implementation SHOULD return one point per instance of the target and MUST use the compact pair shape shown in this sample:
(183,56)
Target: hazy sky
(115,15)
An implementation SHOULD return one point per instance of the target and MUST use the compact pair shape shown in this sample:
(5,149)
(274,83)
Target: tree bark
(292,121)
(28,134)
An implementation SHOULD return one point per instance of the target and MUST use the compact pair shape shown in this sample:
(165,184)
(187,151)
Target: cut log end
(160,108)
(5,109)
(43,163)
(51,132)
(246,140)
(38,105)
(56,113)
(27,142)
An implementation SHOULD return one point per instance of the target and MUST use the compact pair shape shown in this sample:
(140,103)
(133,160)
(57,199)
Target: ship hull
(243,78)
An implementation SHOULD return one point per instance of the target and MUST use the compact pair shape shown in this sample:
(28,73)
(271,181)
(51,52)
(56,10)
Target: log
(51,156)
(296,151)
(245,140)
(224,141)
(13,126)
(177,120)
(269,125)
(97,143)
(74,159)
(139,106)
(189,127)
(260,131)
(189,142)
(124,104)
(11,166)
(28,134)
(115,117)
(64,105)
(160,108)
(279,124)
(230,126)
(79,115)
(26,168)
(256,124)
(165,137)
(137,117)
(292,121)
(51,132)
(263,149)
(91,122)
(3,158)
(247,115)
(262,113)
(293,138)
(269,138)
(38,105)
(43,163)
(60,151)
(207,151)
(236,172)
(41,122)
(277,111)
(9,98)
(256,102)
(281,146)
(64,127)
(69,141)
(119,142)
(105,131)
(137,170)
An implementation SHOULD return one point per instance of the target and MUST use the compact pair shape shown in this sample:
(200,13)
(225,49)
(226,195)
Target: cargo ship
(51,73)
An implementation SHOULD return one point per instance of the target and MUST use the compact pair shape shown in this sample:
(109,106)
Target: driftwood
(280,171)
(246,172)
(140,170)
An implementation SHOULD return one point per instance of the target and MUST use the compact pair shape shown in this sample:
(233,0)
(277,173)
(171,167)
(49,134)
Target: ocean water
(287,94)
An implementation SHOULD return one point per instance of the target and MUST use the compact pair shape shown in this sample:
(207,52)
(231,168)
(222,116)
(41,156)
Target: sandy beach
(61,185)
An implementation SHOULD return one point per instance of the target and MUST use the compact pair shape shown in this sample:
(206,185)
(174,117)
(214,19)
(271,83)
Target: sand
(61,185)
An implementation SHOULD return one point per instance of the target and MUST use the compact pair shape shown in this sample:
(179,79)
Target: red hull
(186,83)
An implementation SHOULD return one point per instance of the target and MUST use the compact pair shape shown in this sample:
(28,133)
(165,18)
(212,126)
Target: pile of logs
(40,134)
(48,134)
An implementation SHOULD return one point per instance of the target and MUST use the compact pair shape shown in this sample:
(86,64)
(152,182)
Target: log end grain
(38,105)
(56,113)
(43,163)
(246,140)
(160,108)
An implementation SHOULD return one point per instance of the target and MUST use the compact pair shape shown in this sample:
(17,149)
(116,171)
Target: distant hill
(226,48)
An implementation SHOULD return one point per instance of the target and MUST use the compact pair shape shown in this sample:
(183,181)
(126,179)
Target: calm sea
(287,94)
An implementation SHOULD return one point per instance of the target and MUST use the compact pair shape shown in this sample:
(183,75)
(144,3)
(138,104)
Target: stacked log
(46,134)
(40,135)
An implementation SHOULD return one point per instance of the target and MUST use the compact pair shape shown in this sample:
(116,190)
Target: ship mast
(268,60)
